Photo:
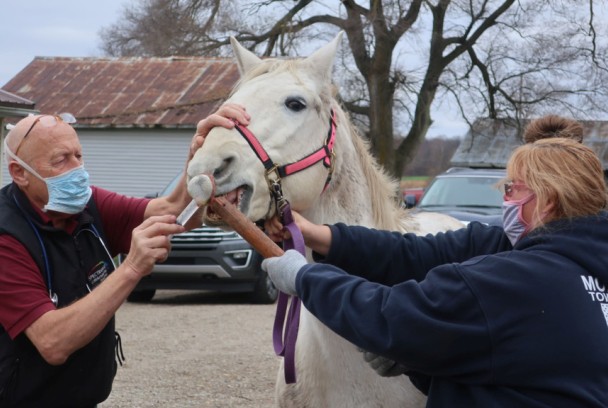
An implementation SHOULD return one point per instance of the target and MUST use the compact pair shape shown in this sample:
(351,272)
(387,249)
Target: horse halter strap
(324,153)
(287,318)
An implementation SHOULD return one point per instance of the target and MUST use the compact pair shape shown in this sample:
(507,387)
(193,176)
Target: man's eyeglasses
(48,121)
(510,186)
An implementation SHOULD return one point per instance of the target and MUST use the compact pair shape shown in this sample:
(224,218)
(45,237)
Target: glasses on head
(510,186)
(48,121)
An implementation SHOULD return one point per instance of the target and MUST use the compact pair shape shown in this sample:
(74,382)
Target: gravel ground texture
(195,349)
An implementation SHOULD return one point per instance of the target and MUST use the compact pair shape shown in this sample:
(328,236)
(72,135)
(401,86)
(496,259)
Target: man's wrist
(130,271)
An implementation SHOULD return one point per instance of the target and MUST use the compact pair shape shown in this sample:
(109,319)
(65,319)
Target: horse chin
(240,197)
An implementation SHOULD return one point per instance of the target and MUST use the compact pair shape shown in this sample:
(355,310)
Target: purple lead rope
(286,323)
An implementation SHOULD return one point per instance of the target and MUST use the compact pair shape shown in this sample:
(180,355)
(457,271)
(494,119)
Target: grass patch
(415,182)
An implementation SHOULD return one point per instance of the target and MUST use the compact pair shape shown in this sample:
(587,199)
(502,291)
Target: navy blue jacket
(489,325)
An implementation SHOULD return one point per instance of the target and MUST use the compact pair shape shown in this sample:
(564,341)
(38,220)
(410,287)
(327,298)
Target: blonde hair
(562,172)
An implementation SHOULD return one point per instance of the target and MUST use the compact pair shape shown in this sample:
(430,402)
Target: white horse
(290,103)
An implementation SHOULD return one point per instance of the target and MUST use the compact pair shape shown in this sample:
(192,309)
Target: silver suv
(467,194)
(211,259)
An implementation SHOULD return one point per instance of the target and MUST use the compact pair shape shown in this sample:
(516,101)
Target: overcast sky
(70,28)
(57,28)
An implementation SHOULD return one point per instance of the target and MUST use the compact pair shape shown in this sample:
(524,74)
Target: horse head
(287,145)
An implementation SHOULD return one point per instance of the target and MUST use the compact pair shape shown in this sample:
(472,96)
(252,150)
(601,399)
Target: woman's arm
(390,257)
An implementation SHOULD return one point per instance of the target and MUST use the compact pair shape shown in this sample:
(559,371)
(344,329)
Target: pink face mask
(512,220)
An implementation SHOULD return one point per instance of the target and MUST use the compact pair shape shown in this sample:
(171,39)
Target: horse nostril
(226,163)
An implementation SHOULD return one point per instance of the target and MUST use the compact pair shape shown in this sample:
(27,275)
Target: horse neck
(360,192)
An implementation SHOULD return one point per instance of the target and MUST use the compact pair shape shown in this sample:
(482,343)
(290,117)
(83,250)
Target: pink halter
(324,153)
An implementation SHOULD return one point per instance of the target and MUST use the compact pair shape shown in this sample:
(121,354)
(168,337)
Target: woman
(480,317)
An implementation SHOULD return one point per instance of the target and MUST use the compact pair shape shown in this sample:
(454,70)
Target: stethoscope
(49,282)
(94,231)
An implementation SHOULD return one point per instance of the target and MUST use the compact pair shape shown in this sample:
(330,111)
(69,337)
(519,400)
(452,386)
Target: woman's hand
(284,269)
(274,229)
(316,237)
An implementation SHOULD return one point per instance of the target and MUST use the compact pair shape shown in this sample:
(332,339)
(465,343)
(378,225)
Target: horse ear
(322,60)
(245,59)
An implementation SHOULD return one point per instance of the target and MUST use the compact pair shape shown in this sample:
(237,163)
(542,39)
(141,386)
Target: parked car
(467,194)
(208,258)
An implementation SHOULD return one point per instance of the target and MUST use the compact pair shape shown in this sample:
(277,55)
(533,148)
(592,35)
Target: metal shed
(489,142)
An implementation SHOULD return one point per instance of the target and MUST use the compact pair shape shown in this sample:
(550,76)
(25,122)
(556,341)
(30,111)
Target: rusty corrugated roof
(10,100)
(489,142)
(140,92)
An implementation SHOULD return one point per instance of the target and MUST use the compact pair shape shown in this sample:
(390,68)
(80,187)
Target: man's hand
(383,366)
(223,117)
(150,243)
(284,269)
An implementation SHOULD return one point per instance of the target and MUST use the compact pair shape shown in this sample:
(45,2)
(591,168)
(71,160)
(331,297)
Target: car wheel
(145,295)
(264,292)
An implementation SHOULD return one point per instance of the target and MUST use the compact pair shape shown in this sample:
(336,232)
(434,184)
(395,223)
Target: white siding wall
(133,162)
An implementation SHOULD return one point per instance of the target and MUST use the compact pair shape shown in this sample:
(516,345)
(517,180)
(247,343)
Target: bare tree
(492,58)
(162,28)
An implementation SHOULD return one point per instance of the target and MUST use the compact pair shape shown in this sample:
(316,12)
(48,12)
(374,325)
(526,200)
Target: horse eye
(295,104)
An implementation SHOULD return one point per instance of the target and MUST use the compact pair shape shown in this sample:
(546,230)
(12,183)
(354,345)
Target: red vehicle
(411,196)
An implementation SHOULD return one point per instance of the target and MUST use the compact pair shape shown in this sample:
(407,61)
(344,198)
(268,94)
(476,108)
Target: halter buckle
(274,169)
(276,190)
(279,200)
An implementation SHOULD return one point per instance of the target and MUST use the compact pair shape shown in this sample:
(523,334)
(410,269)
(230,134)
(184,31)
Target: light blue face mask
(69,192)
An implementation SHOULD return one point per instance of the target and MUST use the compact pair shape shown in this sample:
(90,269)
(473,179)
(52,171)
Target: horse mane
(384,200)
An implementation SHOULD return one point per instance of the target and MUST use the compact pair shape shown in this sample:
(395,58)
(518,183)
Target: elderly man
(59,288)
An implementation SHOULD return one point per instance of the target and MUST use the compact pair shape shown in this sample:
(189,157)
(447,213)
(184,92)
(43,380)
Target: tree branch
(468,42)
(407,21)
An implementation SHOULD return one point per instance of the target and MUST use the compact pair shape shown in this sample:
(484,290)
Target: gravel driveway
(195,349)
